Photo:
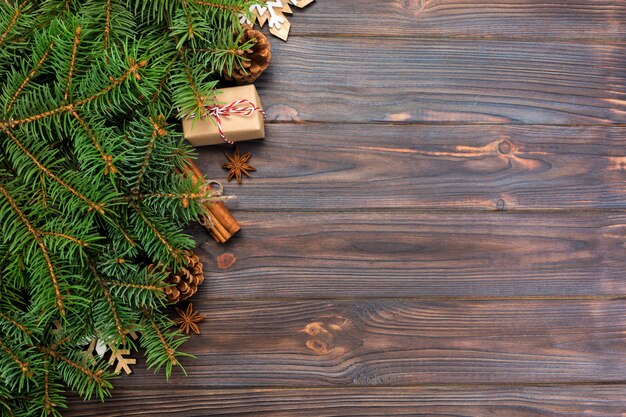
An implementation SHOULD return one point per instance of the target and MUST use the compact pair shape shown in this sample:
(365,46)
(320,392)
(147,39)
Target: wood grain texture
(548,401)
(519,19)
(398,343)
(436,226)
(445,81)
(345,167)
(418,254)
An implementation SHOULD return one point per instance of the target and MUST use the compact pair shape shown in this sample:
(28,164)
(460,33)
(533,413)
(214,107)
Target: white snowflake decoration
(274,14)
(118,357)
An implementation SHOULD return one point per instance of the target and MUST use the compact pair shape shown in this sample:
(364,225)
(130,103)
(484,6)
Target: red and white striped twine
(217,112)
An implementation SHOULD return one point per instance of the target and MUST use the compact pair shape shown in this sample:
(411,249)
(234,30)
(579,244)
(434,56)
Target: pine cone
(256,59)
(185,281)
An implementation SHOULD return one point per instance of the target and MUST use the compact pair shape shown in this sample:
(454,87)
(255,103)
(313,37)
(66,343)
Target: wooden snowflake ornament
(118,355)
(99,348)
(273,13)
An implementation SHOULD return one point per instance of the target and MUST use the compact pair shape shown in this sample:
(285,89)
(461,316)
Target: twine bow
(217,112)
(217,190)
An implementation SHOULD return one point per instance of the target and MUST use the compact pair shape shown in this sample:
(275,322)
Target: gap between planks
(347,388)
(442,123)
(518,39)
(615,297)
(464,210)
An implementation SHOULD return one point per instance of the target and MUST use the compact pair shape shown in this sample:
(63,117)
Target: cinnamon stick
(220,223)
(223,224)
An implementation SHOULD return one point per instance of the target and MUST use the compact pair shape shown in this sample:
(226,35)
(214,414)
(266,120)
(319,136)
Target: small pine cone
(255,60)
(185,282)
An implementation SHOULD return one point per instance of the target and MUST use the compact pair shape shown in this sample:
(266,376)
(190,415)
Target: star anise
(188,319)
(237,165)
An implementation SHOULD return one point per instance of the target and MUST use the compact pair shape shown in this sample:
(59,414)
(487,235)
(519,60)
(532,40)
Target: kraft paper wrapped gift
(240,120)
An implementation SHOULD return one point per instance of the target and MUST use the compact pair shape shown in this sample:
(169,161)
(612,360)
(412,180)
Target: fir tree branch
(185,198)
(166,346)
(235,10)
(94,206)
(59,342)
(94,376)
(124,233)
(163,81)
(49,113)
(100,97)
(48,405)
(16,324)
(107,295)
(44,250)
(22,365)
(231,51)
(200,99)
(72,64)
(67,237)
(108,159)
(43,191)
(30,75)
(12,23)
(187,18)
(175,253)
(107,24)
(132,70)
(153,288)
(66,7)
(116,316)
(159,131)
(57,291)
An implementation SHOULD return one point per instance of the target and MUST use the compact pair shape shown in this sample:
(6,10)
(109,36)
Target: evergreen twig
(91,183)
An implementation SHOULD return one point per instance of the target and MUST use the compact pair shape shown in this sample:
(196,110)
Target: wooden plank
(526,19)
(553,401)
(347,166)
(427,254)
(445,81)
(397,343)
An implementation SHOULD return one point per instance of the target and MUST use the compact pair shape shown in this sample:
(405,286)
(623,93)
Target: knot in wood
(504,147)
(313,329)
(322,341)
(226,260)
(317,346)
(414,6)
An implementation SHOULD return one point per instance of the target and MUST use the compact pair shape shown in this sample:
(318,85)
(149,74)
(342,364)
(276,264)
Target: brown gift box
(236,127)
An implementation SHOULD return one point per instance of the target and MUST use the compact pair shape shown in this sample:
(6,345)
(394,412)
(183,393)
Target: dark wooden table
(437,225)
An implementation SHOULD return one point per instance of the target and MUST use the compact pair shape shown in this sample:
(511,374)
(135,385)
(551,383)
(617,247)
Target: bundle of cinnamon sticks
(220,223)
